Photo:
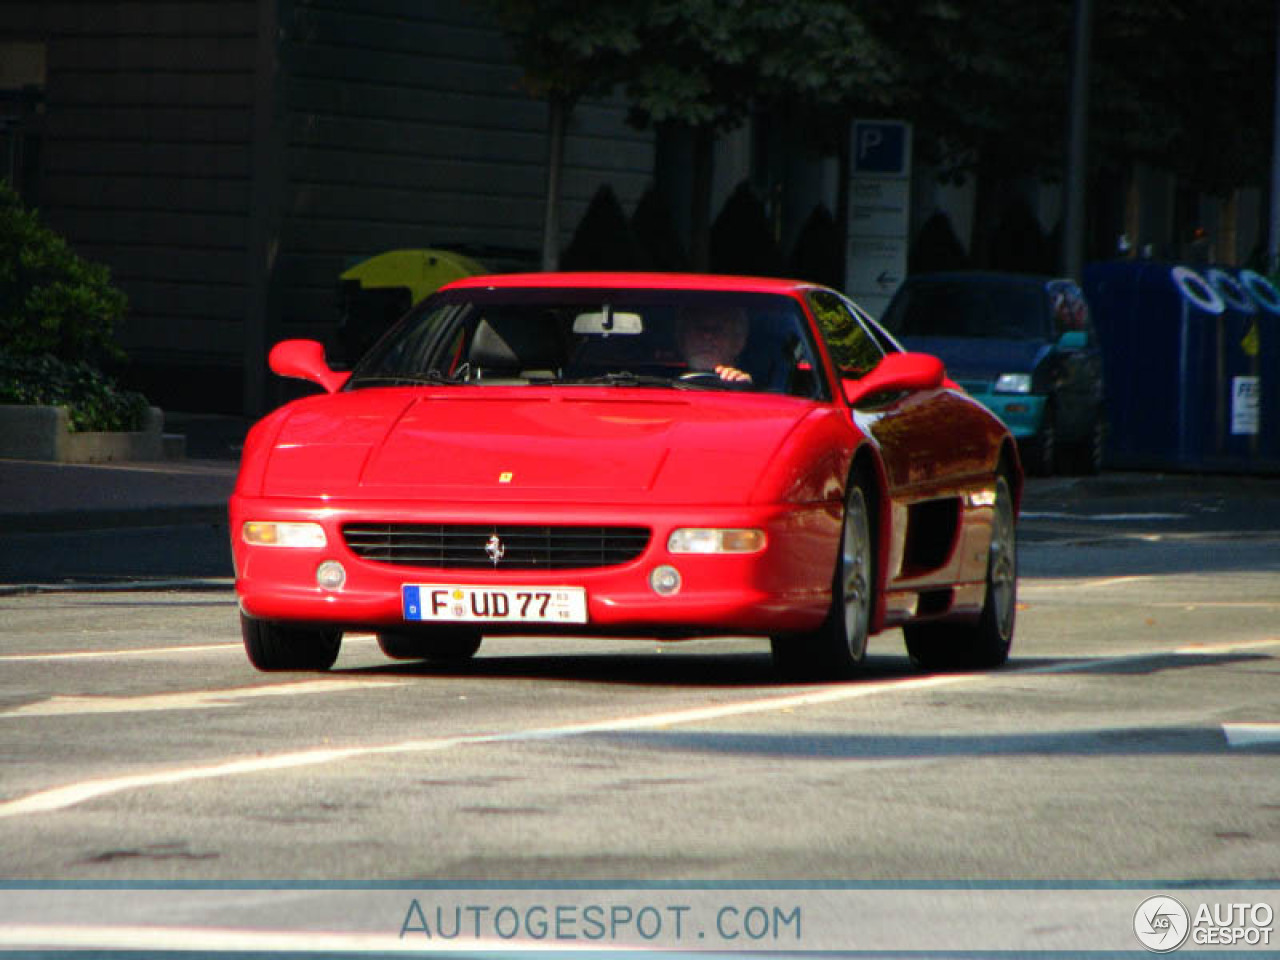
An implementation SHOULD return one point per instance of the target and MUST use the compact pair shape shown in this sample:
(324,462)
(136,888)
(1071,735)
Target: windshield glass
(665,338)
(1005,311)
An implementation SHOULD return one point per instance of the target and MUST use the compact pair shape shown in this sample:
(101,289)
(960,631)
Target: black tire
(984,643)
(288,646)
(440,645)
(1042,452)
(837,648)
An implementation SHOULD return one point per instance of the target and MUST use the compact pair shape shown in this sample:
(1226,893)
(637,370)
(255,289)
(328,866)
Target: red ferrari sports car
(648,454)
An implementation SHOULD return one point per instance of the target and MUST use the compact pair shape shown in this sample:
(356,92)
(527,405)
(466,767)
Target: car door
(935,446)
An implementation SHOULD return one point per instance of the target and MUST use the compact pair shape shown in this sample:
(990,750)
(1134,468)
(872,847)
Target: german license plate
(471,604)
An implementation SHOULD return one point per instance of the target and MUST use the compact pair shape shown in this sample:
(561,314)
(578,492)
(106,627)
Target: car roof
(633,281)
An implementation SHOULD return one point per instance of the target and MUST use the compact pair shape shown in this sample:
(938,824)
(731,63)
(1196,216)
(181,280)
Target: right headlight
(1013,383)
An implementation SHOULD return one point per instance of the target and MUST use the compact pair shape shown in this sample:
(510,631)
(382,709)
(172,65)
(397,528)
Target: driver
(710,339)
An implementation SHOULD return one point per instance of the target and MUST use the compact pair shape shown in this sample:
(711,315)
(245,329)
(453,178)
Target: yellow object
(421,272)
(1250,342)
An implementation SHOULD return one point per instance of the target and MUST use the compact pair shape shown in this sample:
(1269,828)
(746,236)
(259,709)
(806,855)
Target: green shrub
(603,239)
(52,301)
(742,239)
(93,400)
(58,315)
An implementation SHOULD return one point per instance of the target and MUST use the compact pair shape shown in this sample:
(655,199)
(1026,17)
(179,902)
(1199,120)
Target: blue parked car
(1024,346)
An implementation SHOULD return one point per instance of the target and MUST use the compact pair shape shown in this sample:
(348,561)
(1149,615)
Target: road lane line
(193,941)
(73,706)
(1103,517)
(112,654)
(1251,734)
(60,798)
(1026,585)
(150,651)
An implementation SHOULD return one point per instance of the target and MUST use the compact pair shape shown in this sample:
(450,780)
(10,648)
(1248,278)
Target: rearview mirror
(897,371)
(606,323)
(304,360)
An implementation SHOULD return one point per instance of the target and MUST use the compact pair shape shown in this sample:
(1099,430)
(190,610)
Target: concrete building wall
(144,157)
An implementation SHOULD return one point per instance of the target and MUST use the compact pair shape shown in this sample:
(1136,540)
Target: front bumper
(784,588)
(1022,413)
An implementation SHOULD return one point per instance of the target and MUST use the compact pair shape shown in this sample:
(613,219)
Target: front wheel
(441,645)
(986,642)
(275,646)
(836,649)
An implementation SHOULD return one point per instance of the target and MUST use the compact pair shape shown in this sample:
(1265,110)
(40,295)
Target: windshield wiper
(403,379)
(625,378)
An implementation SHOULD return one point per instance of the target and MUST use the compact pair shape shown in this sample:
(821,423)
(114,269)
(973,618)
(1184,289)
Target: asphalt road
(1133,736)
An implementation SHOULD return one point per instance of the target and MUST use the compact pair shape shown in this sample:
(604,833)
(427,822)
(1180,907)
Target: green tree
(698,64)
(706,64)
(1188,85)
(985,84)
(568,49)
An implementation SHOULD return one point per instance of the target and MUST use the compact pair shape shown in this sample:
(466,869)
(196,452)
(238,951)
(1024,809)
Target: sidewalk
(41,497)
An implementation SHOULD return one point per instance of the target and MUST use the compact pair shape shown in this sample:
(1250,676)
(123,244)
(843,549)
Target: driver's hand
(732,374)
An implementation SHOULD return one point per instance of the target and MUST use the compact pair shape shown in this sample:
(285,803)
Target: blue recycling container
(1261,345)
(1186,357)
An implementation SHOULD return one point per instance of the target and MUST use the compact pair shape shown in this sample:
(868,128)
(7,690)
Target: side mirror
(897,371)
(304,360)
(1073,340)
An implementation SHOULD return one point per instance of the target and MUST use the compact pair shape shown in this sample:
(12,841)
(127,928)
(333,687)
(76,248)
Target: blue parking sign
(880,147)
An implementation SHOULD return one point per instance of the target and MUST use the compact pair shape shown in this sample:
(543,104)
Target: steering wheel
(701,376)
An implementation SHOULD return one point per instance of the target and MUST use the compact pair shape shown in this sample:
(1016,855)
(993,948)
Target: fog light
(665,581)
(330,575)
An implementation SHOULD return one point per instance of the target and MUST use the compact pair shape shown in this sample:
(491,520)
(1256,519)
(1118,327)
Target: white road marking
(189,700)
(1251,734)
(113,654)
(60,798)
(149,651)
(1026,586)
(1105,517)
(192,941)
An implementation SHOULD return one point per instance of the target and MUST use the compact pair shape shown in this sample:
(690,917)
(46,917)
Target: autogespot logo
(1162,924)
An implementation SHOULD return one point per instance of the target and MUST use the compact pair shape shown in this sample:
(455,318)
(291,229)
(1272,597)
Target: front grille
(468,547)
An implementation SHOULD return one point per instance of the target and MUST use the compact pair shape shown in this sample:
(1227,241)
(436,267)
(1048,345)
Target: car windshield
(683,339)
(1004,311)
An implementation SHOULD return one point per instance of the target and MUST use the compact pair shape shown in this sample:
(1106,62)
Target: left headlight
(1013,383)
(270,534)
(715,540)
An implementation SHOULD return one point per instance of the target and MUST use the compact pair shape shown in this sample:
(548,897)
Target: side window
(854,350)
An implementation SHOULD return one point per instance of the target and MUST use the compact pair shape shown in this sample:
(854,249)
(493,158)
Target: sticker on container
(1244,405)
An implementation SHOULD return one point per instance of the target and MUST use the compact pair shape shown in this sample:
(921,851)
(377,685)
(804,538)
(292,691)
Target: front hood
(981,359)
(530,444)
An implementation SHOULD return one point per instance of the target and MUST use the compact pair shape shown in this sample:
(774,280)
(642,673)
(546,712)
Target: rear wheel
(288,646)
(984,643)
(837,648)
(441,645)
